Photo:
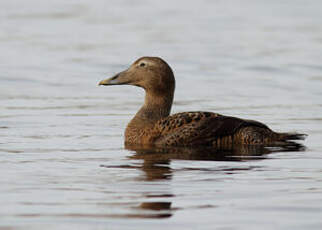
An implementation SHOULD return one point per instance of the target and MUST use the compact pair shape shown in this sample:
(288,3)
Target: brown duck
(152,124)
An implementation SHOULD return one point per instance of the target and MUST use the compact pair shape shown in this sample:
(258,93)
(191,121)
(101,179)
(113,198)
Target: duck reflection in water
(228,153)
(155,163)
(156,166)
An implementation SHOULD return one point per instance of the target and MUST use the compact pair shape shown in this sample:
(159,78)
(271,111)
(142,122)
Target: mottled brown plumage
(152,124)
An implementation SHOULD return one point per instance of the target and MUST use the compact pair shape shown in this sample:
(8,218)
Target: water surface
(62,160)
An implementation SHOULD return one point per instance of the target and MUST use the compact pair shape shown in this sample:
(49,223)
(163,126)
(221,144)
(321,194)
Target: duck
(153,125)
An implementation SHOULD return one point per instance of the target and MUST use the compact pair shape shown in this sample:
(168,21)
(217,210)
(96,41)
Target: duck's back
(212,129)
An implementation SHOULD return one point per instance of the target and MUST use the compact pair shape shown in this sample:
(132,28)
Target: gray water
(62,160)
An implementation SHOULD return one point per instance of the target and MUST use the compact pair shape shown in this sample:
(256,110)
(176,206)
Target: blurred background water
(62,160)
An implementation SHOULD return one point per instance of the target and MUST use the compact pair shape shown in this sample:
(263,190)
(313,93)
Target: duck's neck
(156,106)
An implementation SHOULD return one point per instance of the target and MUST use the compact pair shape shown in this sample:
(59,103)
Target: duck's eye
(142,64)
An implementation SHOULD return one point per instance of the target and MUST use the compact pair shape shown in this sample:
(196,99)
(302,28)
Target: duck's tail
(287,141)
(290,136)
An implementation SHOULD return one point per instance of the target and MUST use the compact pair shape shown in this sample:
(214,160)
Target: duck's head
(151,73)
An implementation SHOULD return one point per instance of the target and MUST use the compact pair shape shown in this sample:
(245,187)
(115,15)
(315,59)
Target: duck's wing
(199,128)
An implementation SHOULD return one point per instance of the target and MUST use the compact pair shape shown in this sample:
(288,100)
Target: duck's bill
(110,81)
(118,79)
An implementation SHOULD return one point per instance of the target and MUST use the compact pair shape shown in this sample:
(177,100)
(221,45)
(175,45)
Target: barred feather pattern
(205,128)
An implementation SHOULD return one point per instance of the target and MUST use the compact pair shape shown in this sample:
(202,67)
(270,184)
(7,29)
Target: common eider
(152,125)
